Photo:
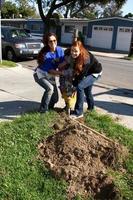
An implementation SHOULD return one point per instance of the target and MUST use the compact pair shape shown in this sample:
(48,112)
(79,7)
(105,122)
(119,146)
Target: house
(35,26)
(112,33)
(68,25)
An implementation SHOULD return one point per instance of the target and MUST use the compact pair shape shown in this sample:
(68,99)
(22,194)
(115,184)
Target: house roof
(109,18)
(73,19)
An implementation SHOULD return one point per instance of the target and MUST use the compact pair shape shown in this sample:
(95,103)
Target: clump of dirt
(82,158)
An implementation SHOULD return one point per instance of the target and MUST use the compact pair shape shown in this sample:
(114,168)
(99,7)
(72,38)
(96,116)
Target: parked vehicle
(17,42)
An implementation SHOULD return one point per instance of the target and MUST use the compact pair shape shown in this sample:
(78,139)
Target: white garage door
(102,36)
(123,38)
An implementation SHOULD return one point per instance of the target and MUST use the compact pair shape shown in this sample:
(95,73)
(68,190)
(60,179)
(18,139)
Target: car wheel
(35,57)
(10,54)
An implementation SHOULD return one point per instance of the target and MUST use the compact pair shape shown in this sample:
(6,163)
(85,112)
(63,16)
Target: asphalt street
(19,94)
(116,72)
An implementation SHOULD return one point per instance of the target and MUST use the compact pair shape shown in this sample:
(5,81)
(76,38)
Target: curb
(18,65)
(109,55)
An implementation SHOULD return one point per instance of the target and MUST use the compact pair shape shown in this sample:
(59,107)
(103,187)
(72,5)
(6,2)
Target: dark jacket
(89,68)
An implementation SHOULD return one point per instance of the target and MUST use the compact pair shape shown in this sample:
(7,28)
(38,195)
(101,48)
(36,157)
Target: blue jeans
(84,87)
(50,96)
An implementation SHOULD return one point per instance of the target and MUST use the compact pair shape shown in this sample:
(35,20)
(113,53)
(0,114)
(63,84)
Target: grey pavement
(20,94)
(109,54)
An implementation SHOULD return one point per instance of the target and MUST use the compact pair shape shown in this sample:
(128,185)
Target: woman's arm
(55,72)
(62,65)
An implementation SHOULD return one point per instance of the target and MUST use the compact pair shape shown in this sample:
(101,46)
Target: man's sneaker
(76,116)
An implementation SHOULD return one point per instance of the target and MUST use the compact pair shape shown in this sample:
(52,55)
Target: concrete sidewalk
(109,54)
(19,94)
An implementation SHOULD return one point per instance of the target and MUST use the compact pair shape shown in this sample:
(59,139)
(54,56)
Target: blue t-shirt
(52,59)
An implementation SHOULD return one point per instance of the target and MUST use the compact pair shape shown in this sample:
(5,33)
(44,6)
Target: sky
(128,7)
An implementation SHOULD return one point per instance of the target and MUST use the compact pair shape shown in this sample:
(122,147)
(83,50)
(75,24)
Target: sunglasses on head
(52,41)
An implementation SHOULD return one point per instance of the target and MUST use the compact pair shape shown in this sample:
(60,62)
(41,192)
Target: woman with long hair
(48,60)
(87,70)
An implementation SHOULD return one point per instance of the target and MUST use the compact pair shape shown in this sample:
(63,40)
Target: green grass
(24,177)
(129,57)
(6,63)
(105,124)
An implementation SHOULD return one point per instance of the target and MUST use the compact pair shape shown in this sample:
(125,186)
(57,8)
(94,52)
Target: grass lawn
(6,63)
(129,57)
(24,177)
(22,174)
(105,124)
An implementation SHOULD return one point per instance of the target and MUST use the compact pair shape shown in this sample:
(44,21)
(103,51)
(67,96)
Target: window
(105,29)
(95,28)
(19,33)
(84,30)
(69,29)
(121,29)
(127,30)
(35,27)
(110,29)
(100,28)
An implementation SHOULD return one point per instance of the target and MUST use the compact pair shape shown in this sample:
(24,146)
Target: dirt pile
(82,158)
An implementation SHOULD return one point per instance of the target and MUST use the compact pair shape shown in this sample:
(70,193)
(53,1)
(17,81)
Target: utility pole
(131,44)
(75,34)
(2,2)
(0,40)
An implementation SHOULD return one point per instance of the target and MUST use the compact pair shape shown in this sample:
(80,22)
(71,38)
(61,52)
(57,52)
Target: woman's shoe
(76,116)
(42,110)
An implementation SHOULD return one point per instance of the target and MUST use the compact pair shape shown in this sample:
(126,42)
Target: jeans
(50,96)
(84,87)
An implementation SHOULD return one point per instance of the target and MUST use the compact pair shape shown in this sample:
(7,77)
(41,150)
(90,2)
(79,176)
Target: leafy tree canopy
(111,10)
(71,7)
(9,10)
(129,15)
(20,8)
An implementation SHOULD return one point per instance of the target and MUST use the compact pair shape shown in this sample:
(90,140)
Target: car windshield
(19,33)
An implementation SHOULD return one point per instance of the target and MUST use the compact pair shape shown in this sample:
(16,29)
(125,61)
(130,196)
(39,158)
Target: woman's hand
(55,72)
(62,65)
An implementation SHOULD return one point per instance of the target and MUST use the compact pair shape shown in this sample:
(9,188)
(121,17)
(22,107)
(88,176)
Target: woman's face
(52,42)
(75,51)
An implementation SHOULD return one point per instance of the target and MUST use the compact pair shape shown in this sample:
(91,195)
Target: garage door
(102,36)
(123,38)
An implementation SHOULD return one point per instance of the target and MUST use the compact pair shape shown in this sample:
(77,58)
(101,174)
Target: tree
(90,12)
(9,10)
(20,7)
(48,7)
(25,9)
(129,15)
(111,10)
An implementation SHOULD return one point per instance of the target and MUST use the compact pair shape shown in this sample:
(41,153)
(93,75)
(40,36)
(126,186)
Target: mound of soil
(81,157)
